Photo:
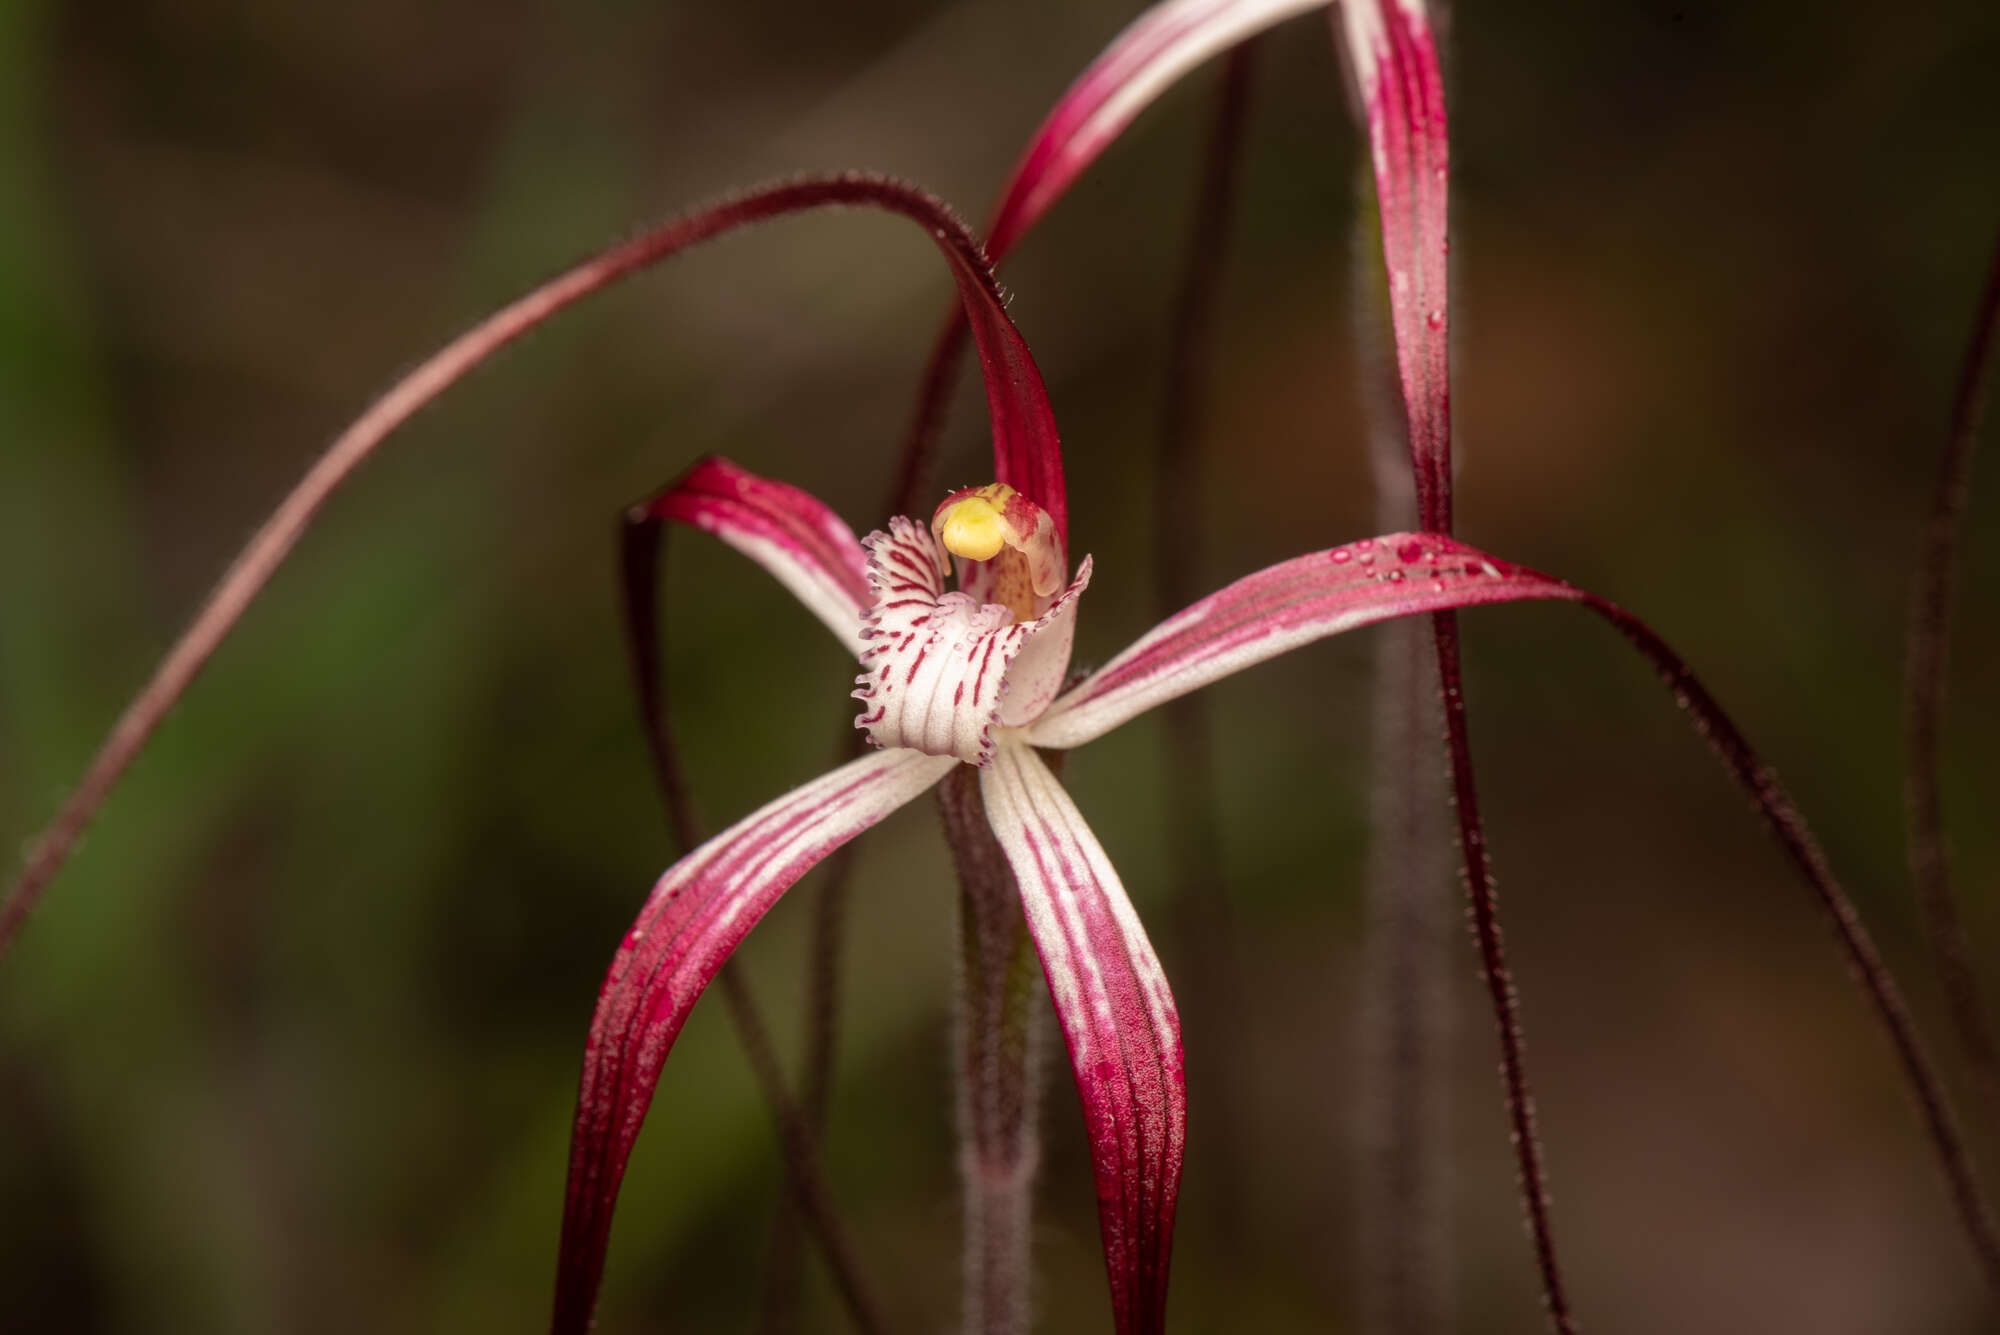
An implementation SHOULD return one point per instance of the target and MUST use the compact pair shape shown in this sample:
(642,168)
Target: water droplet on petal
(1341,556)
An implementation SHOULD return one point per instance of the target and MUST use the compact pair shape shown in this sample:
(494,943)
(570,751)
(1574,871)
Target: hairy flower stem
(797,1128)
(1924,677)
(1410,957)
(1479,887)
(1411,948)
(998,1062)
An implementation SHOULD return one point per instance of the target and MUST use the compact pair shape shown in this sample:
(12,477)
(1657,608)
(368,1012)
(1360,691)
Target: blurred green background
(293,1043)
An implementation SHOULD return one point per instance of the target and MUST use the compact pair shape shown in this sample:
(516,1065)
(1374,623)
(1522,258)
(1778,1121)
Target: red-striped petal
(790,533)
(1117,1017)
(1395,63)
(1143,61)
(694,918)
(1289,604)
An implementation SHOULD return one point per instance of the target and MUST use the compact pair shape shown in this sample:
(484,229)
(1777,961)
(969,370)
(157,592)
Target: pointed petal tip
(693,920)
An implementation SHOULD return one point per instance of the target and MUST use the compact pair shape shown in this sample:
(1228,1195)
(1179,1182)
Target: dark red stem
(1414,84)
(1783,818)
(1499,983)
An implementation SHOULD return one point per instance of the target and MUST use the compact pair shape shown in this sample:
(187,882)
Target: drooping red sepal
(697,914)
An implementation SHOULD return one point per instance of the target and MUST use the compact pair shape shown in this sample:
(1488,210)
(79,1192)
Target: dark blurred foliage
(293,1044)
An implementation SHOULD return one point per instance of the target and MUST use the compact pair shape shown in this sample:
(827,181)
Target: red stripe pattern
(1143,61)
(1396,69)
(1118,1020)
(697,914)
(789,532)
(1280,608)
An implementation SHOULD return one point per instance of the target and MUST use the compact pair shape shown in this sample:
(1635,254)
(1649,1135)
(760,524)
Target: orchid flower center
(941,670)
(1007,549)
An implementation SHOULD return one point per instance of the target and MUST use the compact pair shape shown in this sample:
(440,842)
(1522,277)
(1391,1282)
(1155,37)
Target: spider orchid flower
(972,675)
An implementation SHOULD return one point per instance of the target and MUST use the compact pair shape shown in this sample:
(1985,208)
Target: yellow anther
(1006,545)
(973,529)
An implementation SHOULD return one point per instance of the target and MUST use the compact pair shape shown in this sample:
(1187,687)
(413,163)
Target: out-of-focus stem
(1410,949)
(808,1184)
(822,1032)
(997,1066)
(1924,675)
(1410,956)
